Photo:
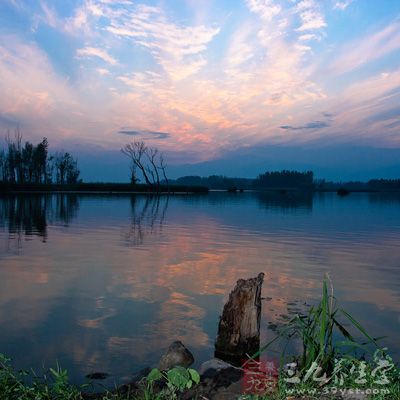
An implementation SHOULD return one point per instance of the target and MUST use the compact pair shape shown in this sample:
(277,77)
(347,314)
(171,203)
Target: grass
(333,361)
(54,385)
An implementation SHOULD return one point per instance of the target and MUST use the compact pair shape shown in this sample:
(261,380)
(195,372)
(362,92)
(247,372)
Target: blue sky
(207,81)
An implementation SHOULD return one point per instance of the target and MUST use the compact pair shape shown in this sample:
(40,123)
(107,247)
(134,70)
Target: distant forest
(286,180)
(269,180)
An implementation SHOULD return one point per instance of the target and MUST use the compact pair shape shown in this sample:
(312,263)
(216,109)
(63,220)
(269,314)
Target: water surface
(105,283)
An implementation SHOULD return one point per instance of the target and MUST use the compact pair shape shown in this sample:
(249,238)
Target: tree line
(215,182)
(285,179)
(28,163)
(269,180)
(371,185)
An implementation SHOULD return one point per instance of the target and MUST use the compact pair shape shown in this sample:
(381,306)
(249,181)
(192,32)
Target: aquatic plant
(317,331)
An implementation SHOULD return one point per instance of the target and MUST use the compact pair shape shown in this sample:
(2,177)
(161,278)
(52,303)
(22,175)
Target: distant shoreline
(126,188)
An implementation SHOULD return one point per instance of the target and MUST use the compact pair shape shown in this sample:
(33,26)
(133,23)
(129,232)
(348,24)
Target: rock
(219,381)
(177,354)
(215,364)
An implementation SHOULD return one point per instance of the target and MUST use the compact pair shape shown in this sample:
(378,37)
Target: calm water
(105,283)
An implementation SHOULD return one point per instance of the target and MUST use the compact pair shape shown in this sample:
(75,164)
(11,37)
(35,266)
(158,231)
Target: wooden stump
(239,325)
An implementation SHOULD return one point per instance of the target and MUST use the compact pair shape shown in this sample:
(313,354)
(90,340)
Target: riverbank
(98,188)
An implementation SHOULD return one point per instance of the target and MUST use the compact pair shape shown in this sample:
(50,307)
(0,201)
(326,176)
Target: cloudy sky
(224,86)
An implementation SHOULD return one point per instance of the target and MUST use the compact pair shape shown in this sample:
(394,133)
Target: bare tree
(152,154)
(163,167)
(136,152)
(148,160)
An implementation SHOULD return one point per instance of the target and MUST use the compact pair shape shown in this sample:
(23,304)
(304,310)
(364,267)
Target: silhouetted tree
(3,166)
(66,168)
(40,162)
(136,152)
(31,164)
(13,155)
(152,154)
(148,160)
(163,168)
(134,179)
(27,161)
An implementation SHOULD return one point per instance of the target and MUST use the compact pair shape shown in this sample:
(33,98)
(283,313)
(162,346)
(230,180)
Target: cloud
(310,16)
(392,125)
(17,4)
(221,81)
(31,90)
(241,48)
(342,5)
(96,52)
(366,112)
(393,113)
(310,125)
(309,36)
(151,134)
(266,9)
(7,122)
(176,48)
(367,49)
(103,71)
(50,16)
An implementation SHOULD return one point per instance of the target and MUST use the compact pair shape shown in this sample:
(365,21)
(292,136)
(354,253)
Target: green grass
(54,385)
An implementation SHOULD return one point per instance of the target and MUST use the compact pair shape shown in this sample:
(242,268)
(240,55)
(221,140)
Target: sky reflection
(119,278)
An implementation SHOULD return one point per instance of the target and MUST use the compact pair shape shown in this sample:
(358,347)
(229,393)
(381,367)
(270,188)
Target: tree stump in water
(239,325)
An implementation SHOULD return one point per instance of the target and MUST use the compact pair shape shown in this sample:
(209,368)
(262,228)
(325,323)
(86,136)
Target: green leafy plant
(176,379)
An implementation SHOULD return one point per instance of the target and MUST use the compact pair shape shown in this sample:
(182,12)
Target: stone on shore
(219,381)
(215,364)
(177,354)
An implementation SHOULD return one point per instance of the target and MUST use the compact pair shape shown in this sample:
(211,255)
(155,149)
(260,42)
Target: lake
(106,282)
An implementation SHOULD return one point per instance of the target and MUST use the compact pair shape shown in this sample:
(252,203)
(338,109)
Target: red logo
(260,377)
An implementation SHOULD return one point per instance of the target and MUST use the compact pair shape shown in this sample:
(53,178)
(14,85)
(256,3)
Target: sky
(230,87)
